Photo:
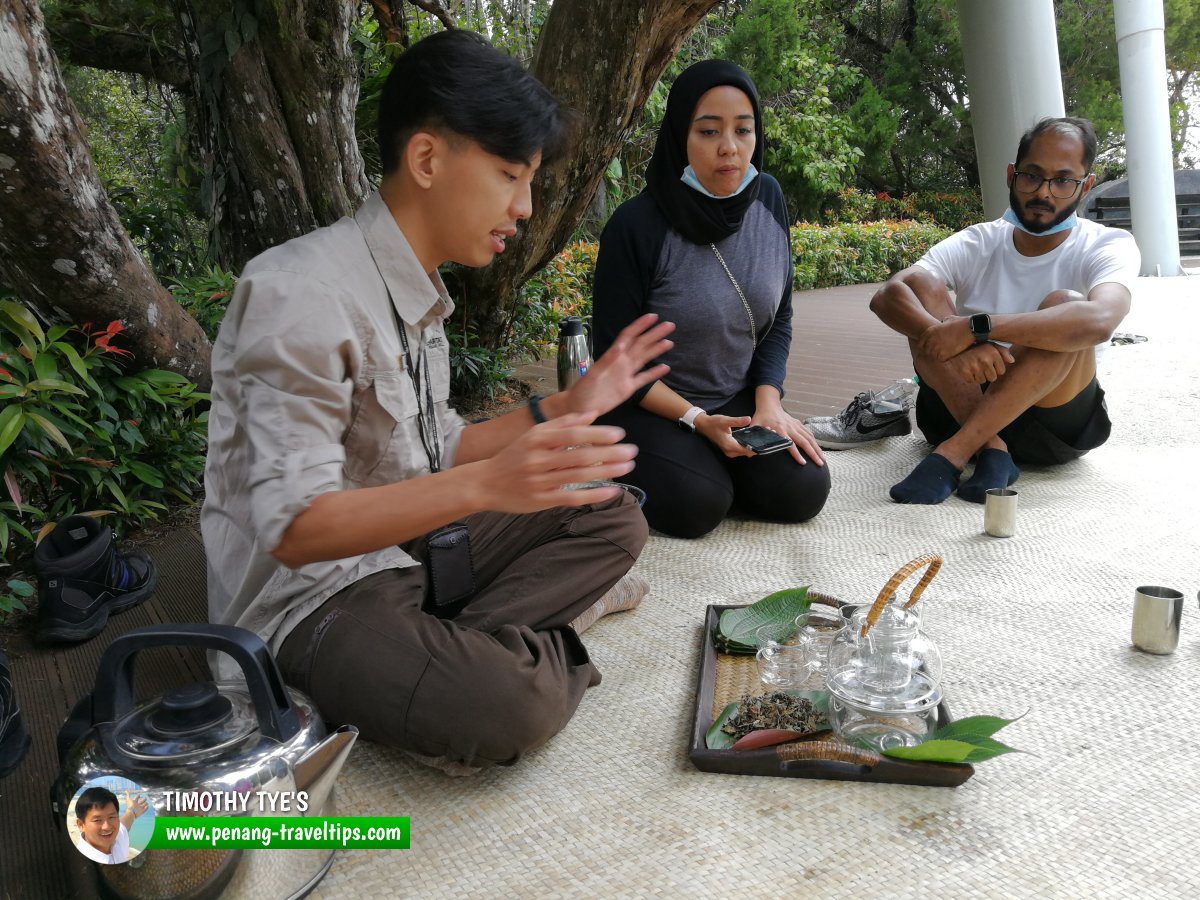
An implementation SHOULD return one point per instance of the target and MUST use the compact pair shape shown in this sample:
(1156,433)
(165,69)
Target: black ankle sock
(932,481)
(993,469)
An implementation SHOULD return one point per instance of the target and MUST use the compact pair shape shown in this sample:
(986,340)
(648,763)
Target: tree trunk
(62,247)
(602,60)
(278,94)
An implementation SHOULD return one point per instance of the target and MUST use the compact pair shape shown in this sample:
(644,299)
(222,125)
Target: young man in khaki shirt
(335,457)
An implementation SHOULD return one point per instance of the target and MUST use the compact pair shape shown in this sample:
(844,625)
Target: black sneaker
(14,736)
(82,579)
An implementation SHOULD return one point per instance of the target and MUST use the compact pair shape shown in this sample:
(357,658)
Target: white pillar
(1010,48)
(1143,60)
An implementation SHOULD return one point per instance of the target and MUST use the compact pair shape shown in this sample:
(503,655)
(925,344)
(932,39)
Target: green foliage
(78,433)
(563,287)
(858,253)
(953,211)
(205,296)
(804,91)
(13,594)
(137,137)
(762,39)
(475,370)
(966,740)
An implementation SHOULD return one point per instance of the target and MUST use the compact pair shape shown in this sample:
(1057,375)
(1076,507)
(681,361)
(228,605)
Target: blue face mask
(689,178)
(1011,217)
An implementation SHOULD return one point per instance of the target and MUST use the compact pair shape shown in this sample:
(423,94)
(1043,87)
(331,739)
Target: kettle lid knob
(572,326)
(189,710)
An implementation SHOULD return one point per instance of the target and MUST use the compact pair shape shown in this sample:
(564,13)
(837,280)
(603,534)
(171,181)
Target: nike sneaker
(869,417)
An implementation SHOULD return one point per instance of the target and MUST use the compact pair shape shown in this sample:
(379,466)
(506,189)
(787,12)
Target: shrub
(827,256)
(563,287)
(953,211)
(78,433)
(205,296)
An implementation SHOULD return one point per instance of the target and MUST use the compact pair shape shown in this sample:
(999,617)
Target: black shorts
(1040,436)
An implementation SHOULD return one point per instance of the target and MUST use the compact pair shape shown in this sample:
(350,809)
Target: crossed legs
(1038,378)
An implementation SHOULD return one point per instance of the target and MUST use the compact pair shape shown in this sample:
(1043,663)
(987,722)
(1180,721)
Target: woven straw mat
(1103,803)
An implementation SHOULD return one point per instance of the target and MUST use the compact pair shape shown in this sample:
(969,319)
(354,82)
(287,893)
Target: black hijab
(698,218)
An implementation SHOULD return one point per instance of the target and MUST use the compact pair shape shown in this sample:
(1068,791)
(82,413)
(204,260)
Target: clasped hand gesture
(950,341)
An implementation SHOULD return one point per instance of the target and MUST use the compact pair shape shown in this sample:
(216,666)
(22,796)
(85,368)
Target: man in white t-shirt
(1007,367)
(103,832)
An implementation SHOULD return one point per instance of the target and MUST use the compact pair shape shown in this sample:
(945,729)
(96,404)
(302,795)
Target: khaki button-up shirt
(311,394)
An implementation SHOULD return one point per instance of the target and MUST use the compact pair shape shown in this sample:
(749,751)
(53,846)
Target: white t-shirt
(120,848)
(988,275)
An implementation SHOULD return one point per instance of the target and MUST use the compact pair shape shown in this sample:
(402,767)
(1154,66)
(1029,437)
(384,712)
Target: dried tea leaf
(781,710)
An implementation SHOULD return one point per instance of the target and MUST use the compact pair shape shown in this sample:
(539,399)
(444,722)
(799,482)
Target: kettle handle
(932,560)
(112,698)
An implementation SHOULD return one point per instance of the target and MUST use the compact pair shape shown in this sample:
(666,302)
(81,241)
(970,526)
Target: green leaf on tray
(735,632)
(716,739)
(966,740)
(972,726)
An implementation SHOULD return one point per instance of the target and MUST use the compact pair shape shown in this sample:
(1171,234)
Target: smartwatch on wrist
(688,420)
(981,327)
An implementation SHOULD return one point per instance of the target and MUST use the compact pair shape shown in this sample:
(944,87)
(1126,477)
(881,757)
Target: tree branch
(118,47)
(437,9)
(386,14)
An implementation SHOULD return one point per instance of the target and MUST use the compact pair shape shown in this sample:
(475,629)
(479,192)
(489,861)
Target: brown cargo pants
(502,677)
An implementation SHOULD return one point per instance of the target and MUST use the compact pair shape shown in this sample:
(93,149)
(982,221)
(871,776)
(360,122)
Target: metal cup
(1156,615)
(1000,512)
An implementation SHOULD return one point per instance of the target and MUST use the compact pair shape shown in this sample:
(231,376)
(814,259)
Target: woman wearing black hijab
(706,247)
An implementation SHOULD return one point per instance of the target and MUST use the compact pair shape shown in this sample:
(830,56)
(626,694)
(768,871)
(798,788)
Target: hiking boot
(14,736)
(865,419)
(82,579)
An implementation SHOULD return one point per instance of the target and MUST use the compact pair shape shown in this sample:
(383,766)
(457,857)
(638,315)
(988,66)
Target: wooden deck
(839,348)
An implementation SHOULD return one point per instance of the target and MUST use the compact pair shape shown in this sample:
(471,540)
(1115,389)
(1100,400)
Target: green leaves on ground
(967,740)
(735,632)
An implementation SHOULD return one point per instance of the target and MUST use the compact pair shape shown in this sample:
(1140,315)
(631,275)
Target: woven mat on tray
(1103,804)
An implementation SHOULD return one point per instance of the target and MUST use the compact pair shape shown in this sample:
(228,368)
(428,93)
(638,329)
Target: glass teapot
(884,672)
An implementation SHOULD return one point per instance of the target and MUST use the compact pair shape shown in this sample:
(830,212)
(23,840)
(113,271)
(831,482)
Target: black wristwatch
(981,327)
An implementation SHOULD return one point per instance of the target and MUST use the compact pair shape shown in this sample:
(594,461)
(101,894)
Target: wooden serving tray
(796,759)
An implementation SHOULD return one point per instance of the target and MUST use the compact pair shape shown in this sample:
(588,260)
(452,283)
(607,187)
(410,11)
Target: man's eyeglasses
(1062,188)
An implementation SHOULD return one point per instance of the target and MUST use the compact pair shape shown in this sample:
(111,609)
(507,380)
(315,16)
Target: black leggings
(690,485)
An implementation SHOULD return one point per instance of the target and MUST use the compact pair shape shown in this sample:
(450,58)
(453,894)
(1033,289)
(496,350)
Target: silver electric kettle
(257,740)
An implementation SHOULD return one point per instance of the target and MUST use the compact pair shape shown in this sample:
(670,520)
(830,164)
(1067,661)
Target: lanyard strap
(737,287)
(430,439)
(426,411)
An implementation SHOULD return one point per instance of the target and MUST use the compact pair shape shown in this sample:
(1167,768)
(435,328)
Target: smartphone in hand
(761,440)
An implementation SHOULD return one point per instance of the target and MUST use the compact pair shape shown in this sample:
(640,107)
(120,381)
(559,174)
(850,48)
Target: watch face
(981,324)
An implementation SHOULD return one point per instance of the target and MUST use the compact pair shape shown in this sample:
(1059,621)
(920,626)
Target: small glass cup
(815,631)
(782,659)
